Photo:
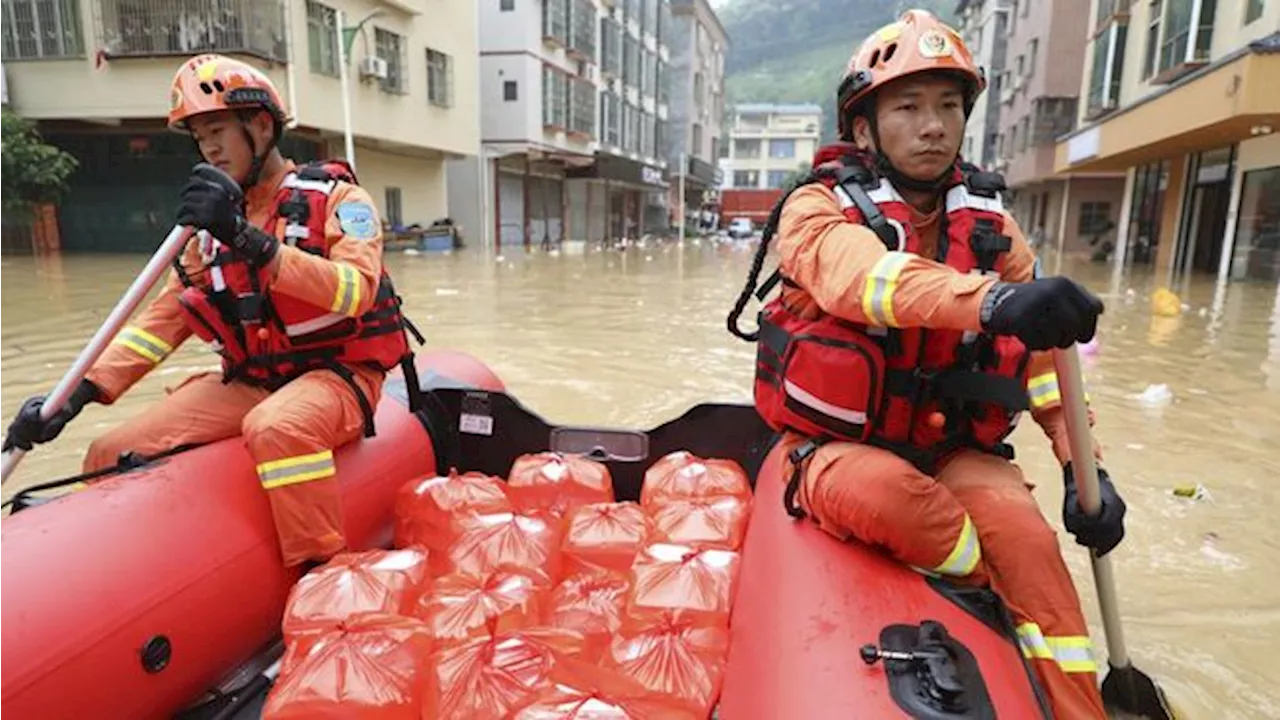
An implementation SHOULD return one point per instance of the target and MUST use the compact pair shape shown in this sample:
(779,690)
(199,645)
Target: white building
(767,143)
(698,45)
(984,27)
(572,111)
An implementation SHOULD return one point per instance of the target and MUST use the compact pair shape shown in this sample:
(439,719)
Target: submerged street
(635,337)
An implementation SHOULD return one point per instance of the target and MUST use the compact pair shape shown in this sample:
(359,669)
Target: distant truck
(752,204)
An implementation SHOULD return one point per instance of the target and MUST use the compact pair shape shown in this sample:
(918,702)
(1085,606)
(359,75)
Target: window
(610,46)
(42,29)
(699,92)
(510,91)
(585,28)
(506,5)
(390,47)
(1020,64)
(439,78)
(1186,38)
(394,213)
(782,148)
(583,117)
(1108,68)
(1252,10)
(1257,248)
(777,178)
(555,90)
(1094,218)
(696,148)
(630,61)
(747,149)
(1024,134)
(660,76)
(610,112)
(555,21)
(1032,51)
(746,178)
(1152,49)
(322,38)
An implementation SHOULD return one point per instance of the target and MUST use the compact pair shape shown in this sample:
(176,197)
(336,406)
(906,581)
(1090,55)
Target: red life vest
(921,393)
(268,339)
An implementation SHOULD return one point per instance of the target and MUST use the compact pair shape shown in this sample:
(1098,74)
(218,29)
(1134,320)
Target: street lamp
(346,36)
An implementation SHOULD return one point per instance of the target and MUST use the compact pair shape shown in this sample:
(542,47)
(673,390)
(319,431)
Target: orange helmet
(918,42)
(208,83)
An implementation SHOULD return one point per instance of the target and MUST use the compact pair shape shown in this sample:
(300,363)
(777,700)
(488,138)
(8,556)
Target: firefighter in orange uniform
(287,284)
(910,331)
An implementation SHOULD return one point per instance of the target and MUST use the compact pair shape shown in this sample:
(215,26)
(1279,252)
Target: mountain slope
(796,50)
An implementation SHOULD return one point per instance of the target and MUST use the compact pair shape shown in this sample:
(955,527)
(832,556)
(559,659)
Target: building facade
(95,75)
(573,113)
(983,26)
(1037,93)
(768,144)
(698,45)
(1181,98)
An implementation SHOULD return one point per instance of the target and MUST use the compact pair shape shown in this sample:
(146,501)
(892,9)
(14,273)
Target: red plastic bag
(529,542)
(604,535)
(713,523)
(367,668)
(486,678)
(591,604)
(464,607)
(675,655)
(578,690)
(428,510)
(554,482)
(681,475)
(376,581)
(678,577)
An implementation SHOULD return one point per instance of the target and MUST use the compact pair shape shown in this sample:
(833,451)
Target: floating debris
(1193,492)
(1156,395)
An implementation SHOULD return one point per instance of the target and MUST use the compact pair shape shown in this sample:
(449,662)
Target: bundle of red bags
(537,597)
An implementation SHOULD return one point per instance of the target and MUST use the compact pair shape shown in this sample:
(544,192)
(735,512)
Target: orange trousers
(291,435)
(978,523)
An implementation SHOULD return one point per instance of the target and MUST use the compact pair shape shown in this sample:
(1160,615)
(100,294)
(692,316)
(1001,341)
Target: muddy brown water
(635,337)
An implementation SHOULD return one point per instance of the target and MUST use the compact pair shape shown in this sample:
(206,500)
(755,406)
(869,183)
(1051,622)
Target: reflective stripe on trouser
(877,497)
(1022,554)
(292,436)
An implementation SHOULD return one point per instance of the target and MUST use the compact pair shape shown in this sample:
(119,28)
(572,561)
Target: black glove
(1047,313)
(1101,532)
(28,429)
(213,201)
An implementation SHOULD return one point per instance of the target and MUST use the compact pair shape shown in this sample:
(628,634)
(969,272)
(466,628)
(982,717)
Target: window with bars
(42,29)
(439,78)
(322,38)
(151,28)
(583,118)
(555,92)
(391,47)
(610,46)
(585,28)
(555,21)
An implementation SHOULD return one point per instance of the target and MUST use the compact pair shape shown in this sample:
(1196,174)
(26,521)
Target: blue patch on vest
(358,220)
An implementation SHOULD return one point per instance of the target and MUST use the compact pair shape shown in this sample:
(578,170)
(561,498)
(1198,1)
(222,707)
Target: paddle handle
(1085,471)
(154,270)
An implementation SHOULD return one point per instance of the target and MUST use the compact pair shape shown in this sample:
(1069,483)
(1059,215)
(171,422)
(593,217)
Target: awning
(1223,103)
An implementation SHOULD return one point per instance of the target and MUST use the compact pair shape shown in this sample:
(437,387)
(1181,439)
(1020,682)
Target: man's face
(222,141)
(920,121)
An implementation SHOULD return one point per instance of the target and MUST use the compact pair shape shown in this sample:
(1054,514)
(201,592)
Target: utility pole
(684,162)
(345,36)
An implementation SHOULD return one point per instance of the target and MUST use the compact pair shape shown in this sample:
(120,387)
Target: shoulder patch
(358,220)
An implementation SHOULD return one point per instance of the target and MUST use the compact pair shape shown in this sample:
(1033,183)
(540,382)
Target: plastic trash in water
(1192,492)
(1165,302)
(1155,395)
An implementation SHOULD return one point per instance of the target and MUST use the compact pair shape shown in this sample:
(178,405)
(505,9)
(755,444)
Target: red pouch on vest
(818,377)
(207,323)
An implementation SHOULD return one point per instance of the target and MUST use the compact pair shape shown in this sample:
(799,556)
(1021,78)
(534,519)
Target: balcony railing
(150,28)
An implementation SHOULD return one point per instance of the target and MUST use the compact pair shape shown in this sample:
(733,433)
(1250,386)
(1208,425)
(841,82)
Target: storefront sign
(620,169)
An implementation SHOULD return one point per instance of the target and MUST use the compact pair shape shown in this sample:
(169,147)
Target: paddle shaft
(1085,469)
(142,285)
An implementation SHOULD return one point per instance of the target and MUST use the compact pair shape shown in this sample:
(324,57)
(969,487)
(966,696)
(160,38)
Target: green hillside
(796,50)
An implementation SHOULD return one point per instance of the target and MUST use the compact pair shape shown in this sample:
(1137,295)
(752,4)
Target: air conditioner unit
(373,66)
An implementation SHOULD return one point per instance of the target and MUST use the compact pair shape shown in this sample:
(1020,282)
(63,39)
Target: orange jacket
(159,329)
(831,259)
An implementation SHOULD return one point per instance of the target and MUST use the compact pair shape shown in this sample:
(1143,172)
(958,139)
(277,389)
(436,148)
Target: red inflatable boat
(160,593)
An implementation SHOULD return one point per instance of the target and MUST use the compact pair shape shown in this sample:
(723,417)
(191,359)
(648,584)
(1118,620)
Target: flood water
(635,337)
